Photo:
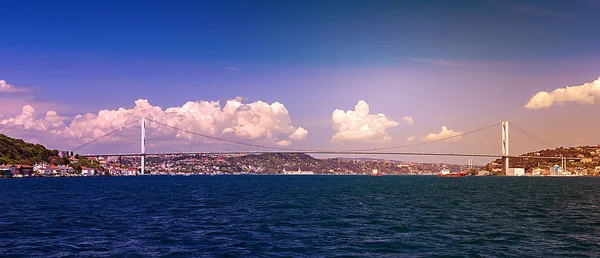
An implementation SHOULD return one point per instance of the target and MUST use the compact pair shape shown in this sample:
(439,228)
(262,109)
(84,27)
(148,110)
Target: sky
(301,74)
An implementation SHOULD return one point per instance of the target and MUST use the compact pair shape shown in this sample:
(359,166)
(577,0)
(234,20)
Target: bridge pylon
(143,147)
(505,152)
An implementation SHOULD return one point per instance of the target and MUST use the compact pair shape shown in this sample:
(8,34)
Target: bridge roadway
(323,152)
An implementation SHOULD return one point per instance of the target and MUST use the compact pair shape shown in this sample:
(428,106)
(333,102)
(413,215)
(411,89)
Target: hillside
(17,151)
(275,163)
(589,158)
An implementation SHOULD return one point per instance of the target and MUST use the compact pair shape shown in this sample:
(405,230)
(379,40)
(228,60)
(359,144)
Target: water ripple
(282,216)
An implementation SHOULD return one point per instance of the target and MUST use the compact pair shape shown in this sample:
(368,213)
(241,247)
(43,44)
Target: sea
(300,216)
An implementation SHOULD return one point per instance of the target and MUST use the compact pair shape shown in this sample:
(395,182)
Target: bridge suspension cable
(284,149)
(226,140)
(428,142)
(105,135)
(532,136)
(313,150)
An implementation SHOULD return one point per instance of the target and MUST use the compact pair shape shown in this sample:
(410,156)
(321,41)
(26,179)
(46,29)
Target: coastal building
(538,172)
(22,170)
(51,170)
(88,171)
(6,170)
(483,173)
(515,172)
(557,170)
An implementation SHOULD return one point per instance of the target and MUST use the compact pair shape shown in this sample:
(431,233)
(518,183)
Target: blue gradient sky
(462,64)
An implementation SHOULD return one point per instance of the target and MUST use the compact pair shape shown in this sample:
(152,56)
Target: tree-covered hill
(276,162)
(582,157)
(17,151)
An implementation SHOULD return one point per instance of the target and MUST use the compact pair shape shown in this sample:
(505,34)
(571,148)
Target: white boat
(376,172)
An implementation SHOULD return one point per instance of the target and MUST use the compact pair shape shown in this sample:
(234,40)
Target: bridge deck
(326,152)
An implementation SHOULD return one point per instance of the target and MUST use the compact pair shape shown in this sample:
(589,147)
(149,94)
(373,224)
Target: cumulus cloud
(256,121)
(443,134)
(588,93)
(409,120)
(284,143)
(5,87)
(411,138)
(299,134)
(359,125)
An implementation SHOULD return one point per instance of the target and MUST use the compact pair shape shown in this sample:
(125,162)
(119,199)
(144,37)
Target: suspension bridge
(168,139)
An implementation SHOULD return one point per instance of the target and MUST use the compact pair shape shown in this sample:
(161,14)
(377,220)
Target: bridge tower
(143,145)
(505,153)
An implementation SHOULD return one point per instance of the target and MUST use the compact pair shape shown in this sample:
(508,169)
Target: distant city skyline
(304,74)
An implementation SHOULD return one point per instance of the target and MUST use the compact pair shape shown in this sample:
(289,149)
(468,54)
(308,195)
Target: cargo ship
(446,173)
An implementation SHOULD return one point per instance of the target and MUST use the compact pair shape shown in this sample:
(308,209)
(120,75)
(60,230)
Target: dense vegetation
(17,151)
(275,163)
(579,157)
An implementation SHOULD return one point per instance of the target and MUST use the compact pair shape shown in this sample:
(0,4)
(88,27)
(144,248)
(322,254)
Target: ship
(376,172)
(446,173)
(299,172)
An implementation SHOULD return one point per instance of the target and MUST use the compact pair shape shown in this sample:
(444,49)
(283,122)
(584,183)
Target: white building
(483,173)
(515,172)
(88,171)
(538,172)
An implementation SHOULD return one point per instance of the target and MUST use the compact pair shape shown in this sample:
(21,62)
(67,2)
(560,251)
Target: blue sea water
(273,216)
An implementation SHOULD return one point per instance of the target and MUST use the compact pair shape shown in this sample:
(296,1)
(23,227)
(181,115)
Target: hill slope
(589,158)
(17,151)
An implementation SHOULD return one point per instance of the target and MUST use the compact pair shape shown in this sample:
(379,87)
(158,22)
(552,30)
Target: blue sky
(442,62)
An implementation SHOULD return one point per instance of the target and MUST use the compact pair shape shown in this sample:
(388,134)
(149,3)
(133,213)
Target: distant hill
(589,157)
(370,159)
(275,163)
(17,151)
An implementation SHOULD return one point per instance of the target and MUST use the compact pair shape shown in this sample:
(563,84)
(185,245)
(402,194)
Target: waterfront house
(65,170)
(88,171)
(538,172)
(515,172)
(22,170)
(483,173)
(6,170)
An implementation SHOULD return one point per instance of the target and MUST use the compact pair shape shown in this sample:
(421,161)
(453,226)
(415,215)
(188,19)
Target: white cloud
(588,93)
(443,134)
(409,120)
(359,125)
(284,143)
(256,121)
(411,138)
(299,134)
(5,87)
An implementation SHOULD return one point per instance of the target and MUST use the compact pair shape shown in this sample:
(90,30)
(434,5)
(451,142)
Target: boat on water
(376,172)
(446,173)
